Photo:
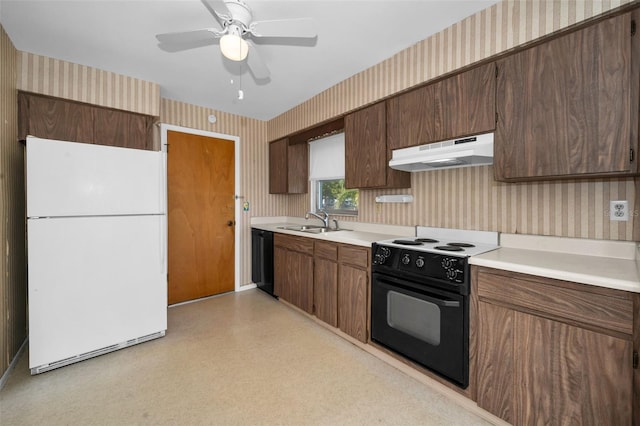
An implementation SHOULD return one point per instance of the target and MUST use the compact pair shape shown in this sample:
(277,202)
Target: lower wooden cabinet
(353,291)
(325,282)
(553,352)
(326,279)
(293,270)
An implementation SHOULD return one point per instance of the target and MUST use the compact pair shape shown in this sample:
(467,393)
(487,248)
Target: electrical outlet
(619,210)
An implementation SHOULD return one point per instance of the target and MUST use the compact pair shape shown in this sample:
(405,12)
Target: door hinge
(631,155)
(496,118)
(633,28)
(635,360)
(496,71)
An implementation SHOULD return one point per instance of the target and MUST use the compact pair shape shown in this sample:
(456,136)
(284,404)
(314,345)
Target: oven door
(427,325)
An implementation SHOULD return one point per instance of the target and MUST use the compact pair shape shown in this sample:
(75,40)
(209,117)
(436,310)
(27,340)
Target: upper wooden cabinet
(569,107)
(458,106)
(411,118)
(465,103)
(366,152)
(121,128)
(288,167)
(55,118)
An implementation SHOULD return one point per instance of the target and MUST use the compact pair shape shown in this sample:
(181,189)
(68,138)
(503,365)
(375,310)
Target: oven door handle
(447,303)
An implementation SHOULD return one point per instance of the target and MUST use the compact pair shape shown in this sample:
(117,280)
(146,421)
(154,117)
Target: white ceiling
(119,36)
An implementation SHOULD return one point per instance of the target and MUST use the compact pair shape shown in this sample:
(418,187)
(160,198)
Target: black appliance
(262,259)
(420,302)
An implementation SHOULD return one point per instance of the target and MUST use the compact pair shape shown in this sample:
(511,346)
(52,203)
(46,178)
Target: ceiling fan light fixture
(233,46)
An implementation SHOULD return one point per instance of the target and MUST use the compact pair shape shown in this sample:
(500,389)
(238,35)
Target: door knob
(230,223)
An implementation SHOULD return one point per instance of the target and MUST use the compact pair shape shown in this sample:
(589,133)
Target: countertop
(610,264)
(603,263)
(354,233)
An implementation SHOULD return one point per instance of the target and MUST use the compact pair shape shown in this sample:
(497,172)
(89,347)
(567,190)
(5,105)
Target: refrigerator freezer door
(77,179)
(94,282)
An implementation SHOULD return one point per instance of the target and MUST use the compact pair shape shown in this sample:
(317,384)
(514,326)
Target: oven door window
(415,317)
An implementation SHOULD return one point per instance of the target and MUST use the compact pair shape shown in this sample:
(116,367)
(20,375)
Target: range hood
(465,152)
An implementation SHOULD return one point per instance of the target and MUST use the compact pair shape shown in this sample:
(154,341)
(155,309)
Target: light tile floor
(238,359)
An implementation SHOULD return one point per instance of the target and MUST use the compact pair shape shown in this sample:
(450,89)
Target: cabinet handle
(230,223)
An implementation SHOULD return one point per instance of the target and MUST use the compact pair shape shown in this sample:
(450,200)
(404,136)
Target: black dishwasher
(262,259)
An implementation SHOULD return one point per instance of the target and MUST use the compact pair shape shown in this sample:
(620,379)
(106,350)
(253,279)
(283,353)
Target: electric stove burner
(427,240)
(407,242)
(449,248)
(460,245)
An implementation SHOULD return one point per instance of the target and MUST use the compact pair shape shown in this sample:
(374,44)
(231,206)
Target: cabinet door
(352,302)
(533,370)
(569,375)
(465,104)
(278,167)
(123,129)
(495,358)
(300,267)
(565,106)
(280,273)
(366,153)
(365,147)
(52,118)
(411,118)
(325,290)
(297,168)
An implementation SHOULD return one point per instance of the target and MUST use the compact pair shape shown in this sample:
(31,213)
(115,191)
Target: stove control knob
(406,259)
(448,262)
(452,274)
(420,262)
(379,259)
(385,251)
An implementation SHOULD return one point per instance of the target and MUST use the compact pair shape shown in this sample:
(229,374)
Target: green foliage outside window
(334,198)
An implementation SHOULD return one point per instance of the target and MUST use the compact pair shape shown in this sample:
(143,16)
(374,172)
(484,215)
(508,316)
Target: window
(326,173)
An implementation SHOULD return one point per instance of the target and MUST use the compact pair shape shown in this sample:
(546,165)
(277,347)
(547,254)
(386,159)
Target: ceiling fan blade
(256,64)
(179,47)
(219,10)
(188,37)
(298,28)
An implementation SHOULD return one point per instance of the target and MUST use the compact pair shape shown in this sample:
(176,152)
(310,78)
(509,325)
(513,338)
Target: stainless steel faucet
(324,219)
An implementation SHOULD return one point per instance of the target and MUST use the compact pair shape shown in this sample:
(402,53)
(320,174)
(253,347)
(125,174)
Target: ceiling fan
(235,34)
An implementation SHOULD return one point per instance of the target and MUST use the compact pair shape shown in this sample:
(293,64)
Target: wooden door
(201,199)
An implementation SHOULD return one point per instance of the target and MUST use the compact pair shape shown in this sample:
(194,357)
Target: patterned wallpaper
(569,208)
(13,325)
(54,77)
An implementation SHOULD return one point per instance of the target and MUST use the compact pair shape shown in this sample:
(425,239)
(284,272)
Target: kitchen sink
(312,229)
(299,227)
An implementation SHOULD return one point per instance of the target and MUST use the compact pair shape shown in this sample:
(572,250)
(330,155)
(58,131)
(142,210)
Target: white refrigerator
(97,250)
